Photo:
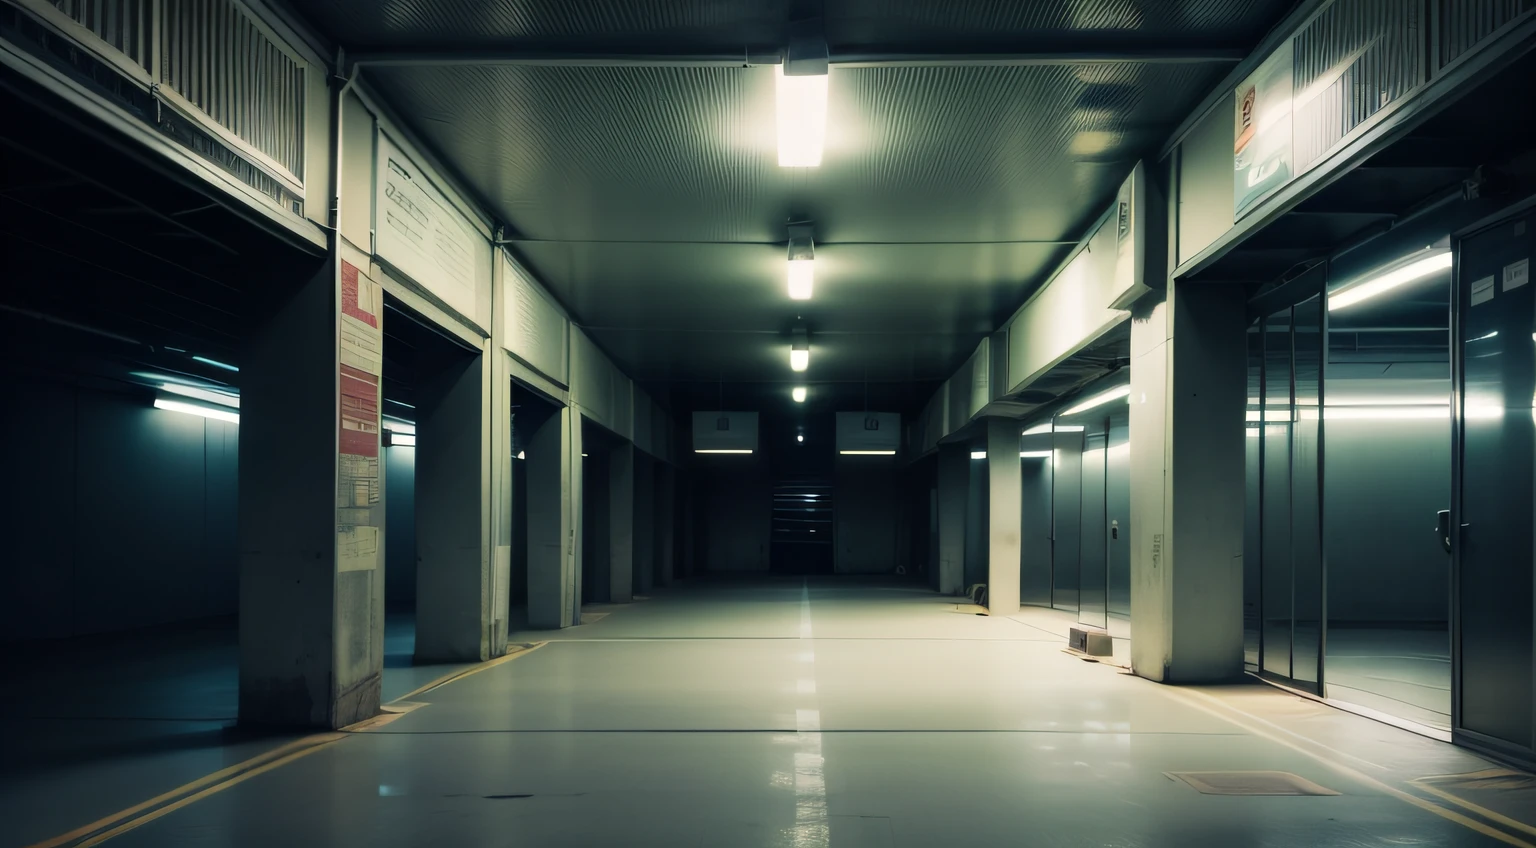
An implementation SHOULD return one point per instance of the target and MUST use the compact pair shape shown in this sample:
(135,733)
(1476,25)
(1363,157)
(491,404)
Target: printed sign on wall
(420,233)
(1261,147)
(359,515)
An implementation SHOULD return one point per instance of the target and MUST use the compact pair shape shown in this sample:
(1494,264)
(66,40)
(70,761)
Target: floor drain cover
(1249,783)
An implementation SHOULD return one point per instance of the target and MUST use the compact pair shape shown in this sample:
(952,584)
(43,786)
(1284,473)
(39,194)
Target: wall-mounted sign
(419,232)
(1261,146)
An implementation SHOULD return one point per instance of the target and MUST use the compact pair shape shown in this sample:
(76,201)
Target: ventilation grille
(224,64)
(123,24)
(1465,23)
(1352,60)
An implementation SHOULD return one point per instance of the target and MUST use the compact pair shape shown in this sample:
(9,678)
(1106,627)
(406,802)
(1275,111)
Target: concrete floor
(846,713)
(92,726)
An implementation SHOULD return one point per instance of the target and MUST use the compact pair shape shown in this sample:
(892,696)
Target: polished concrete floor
(842,713)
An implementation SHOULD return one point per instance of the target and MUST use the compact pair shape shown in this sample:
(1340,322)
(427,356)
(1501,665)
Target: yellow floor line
(1476,808)
(1189,696)
(298,746)
(521,651)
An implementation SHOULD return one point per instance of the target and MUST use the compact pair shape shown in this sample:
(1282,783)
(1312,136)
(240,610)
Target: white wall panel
(536,330)
(1071,311)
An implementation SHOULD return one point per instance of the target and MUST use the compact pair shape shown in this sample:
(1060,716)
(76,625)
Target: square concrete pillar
(311,499)
(621,524)
(553,528)
(645,523)
(1188,399)
(666,493)
(454,570)
(1003,515)
(954,492)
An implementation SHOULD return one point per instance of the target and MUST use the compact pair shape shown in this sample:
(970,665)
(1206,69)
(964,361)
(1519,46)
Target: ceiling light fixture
(800,439)
(1100,400)
(215,363)
(868,453)
(802,109)
(722,451)
(1383,283)
(800,350)
(232,401)
(978,454)
(1035,454)
(194,409)
(802,262)
(798,393)
(401,440)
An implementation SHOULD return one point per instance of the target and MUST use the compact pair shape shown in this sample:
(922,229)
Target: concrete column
(666,493)
(552,521)
(1003,506)
(954,492)
(1188,396)
(621,524)
(454,576)
(645,523)
(310,488)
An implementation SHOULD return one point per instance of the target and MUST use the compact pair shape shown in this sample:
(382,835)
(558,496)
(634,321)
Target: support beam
(1004,497)
(621,524)
(552,527)
(954,491)
(1188,396)
(925,57)
(454,579)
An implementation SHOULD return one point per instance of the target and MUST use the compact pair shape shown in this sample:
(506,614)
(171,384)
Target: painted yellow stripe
(297,746)
(472,670)
(1224,712)
(1476,808)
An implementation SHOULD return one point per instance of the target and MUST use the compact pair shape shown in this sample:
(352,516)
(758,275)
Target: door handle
(1443,528)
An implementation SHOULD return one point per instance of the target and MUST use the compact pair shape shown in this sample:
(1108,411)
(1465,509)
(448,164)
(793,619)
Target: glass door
(1491,521)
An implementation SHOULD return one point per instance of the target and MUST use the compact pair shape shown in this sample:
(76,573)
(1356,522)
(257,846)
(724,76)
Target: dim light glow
(215,363)
(1035,454)
(193,409)
(868,453)
(799,360)
(802,118)
(208,395)
(401,440)
(802,278)
(1100,400)
(798,393)
(1374,286)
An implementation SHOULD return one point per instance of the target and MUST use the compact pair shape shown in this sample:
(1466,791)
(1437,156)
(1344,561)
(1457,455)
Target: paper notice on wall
(361,341)
(1517,274)
(1482,290)
(422,234)
(357,548)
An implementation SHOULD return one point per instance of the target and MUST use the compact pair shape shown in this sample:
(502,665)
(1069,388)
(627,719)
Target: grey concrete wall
(734,497)
(114,514)
(953,496)
(621,524)
(1003,505)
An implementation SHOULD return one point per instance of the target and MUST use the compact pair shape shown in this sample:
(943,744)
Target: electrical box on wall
(1129,223)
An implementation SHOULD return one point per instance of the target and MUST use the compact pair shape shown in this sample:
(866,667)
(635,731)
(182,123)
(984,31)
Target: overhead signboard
(868,432)
(724,432)
(1262,130)
(417,231)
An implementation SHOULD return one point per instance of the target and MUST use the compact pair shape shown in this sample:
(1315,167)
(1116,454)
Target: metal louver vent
(123,24)
(1352,60)
(224,64)
(1465,23)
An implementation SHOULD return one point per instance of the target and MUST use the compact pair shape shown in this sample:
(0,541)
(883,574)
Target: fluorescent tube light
(401,440)
(215,363)
(194,409)
(1035,454)
(399,403)
(978,454)
(802,118)
(721,451)
(802,277)
(868,453)
(1100,400)
(208,395)
(1374,286)
(798,393)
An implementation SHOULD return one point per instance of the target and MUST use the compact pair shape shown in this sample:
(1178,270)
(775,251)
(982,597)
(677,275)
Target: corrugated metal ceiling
(650,201)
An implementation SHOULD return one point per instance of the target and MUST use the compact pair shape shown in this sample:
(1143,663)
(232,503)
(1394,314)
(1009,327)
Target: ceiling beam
(1086,55)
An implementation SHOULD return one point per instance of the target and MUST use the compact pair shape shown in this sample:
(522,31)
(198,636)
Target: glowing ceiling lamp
(1369,288)
(196,409)
(798,393)
(800,351)
(802,262)
(802,113)
(1100,400)
(867,453)
(209,395)
(1045,454)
